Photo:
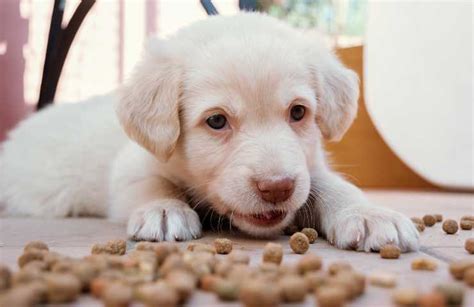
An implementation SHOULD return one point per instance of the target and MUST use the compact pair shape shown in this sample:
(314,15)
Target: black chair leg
(59,42)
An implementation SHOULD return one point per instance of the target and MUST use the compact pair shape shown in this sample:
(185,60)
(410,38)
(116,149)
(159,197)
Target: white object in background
(418,85)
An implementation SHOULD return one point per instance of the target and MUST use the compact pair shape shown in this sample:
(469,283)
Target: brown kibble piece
(390,251)
(36,245)
(311,233)
(465,225)
(433,299)
(5,277)
(26,295)
(227,290)
(299,243)
(117,295)
(405,297)
(308,263)
(339,266)
(157,294)
(239,257)
(457,268)
(438,217)
(30,255)
(292,289)
(116,247)
(330,296)
(429,220)
(183,282)
(450,226)
(273,252)
(420,227)
(417,220)
(315,279)
(453,293)
(424,264)
(201,247)
(468,218)
(469,277)
(381,279)
(98,285)
(223,246)
(208,282)
(62,288)
(256,293)
(469,245)
(98,249)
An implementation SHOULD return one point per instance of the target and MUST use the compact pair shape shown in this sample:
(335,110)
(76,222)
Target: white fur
(75,159)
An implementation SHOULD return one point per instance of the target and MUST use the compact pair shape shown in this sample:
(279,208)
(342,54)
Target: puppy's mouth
(268,218)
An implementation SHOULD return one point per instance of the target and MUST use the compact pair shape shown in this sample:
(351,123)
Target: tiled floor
(75,237)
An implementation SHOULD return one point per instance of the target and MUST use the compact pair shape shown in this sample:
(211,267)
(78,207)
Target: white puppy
(228,114)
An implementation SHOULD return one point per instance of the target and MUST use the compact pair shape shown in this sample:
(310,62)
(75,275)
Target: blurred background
(414,58)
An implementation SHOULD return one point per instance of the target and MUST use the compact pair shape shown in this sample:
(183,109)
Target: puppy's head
(236,107)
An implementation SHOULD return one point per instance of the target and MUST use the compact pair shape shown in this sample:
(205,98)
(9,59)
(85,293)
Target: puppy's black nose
(275,191)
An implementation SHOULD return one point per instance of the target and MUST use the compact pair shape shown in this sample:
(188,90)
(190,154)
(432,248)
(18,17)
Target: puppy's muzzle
(275,191)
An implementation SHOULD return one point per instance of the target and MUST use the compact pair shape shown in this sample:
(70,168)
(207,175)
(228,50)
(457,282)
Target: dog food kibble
(62,287)
(465,225)
(223,246)
(36,245)
(257,292)
(330,296)
(381,279)
(450,226)
(200,247)
(299,243)
(227,290)
(239,257)
(208,282)
(405,297)
(420,227)
(273,252)
(469,277)
(433,299)
(423,264)
(390,251)
(311,233)
(157,294)
(453,293)
(429,220)
(30,255)
(112,247)
(5,278)
(117,295)
(339,266)
(417,220)
(458,268)
(183,282)
(469,245)
(308,263)
(438,217)
(468,218)
(315,279)
(292,289)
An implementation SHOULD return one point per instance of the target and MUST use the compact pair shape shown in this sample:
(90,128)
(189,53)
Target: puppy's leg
(153,206)
(349,221)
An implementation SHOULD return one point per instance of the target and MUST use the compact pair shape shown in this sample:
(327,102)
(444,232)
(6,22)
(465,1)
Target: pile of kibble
(164,274)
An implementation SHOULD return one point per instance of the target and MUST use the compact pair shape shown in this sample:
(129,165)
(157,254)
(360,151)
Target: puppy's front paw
(369,228)
(164,220)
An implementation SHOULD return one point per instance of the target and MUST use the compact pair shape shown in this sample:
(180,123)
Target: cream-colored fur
(74,159)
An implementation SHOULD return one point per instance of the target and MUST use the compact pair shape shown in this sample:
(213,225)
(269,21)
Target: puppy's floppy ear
(337,93)
(148,103)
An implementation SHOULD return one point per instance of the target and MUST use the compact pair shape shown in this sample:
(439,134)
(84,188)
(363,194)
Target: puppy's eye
(217,121)
(297,113)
